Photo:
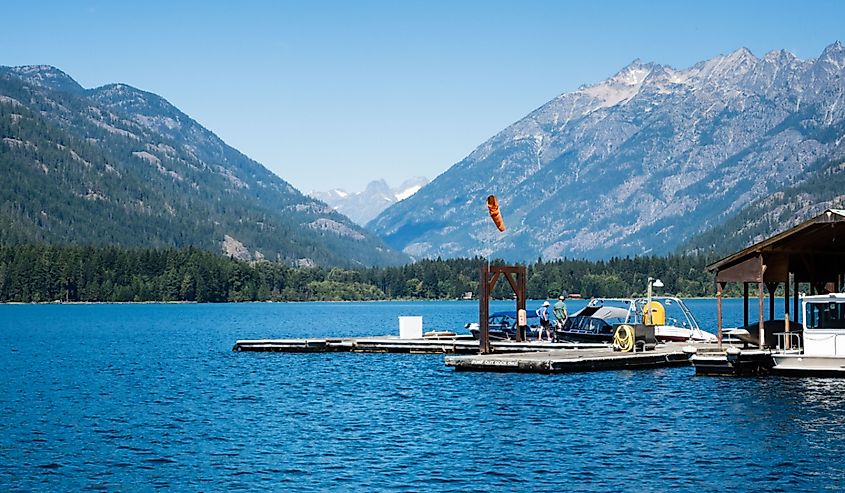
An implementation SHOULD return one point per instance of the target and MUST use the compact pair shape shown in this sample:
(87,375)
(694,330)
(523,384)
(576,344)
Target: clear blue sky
(335,94)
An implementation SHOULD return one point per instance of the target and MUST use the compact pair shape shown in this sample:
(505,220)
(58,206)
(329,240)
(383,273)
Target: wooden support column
(795,295)
(761,327)
(772,287)
(484,309)
(515,276)
(719,287)
(787,343)
(745,304)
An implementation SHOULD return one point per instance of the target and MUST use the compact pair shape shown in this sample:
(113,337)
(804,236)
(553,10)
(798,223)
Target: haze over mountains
(642,163)
(363,206)
(119,166)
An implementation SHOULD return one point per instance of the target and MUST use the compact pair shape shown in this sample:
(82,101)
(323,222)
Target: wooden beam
(746,271)
(484,310)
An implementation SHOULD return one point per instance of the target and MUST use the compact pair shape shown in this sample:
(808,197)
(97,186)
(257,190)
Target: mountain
(361,207)
(116,165)
(636,164)
(821,190)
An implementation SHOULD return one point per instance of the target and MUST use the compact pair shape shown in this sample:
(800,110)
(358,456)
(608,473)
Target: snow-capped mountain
(635,164)
(363,206)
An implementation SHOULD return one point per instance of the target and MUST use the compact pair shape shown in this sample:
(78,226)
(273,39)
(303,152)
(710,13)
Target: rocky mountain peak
(361,207)
(832,58)
(780,56)
(48,77)
(633,164)
(378,187)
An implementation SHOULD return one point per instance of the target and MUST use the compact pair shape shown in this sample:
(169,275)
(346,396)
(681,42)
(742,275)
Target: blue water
(149,397)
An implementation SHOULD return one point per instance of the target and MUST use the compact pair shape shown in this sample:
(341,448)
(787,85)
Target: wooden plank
(749,270)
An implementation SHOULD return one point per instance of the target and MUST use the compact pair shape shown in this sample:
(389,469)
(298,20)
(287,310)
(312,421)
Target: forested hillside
(43,273)
(823,189)
(119,166)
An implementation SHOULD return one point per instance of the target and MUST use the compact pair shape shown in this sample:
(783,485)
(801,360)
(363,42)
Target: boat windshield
(825,315)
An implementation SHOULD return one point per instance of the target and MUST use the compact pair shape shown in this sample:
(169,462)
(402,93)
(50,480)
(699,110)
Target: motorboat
(819,347)
(597,321)
(593,323)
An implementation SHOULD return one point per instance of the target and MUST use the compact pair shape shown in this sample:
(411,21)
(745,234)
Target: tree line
(48,273)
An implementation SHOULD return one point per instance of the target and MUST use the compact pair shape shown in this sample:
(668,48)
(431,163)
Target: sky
(337,94)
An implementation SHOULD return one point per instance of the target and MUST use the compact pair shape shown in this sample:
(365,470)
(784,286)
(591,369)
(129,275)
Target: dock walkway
(507,356)
(573,360)
(393,344)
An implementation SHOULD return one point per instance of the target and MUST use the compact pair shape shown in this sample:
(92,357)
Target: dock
(574,360)
(508,356)
(462,344)
(733,362)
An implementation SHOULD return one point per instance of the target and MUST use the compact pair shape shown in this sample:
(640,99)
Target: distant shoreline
(298,301)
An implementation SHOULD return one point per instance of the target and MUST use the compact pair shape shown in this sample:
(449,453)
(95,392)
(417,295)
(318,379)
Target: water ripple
(151,397)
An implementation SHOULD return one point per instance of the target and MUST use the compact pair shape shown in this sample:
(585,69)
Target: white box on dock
(410,328)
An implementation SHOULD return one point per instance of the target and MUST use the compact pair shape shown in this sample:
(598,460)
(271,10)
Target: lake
(149,397)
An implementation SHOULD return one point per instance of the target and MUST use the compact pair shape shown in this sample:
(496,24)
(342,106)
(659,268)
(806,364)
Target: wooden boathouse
(811,254)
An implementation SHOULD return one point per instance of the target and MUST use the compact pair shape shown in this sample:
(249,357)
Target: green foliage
(94,167)
(820,189)
(44,273)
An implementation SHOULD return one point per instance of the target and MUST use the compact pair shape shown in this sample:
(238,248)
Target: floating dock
(574,360)
(507,356)
(733,362)
(462,344)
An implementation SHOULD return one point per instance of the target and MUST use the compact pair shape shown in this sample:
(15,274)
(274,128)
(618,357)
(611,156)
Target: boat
(502,325)
(817,349)
(597,321)
(593,323)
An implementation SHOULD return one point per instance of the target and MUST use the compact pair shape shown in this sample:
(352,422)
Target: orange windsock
(493,206)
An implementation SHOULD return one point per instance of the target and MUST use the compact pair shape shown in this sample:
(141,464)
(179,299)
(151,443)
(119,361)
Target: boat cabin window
(826,315)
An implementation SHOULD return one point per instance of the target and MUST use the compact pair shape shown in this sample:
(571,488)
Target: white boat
(818,349)
(672,320)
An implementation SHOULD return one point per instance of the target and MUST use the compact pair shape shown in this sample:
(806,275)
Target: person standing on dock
(560,311)
(545,325)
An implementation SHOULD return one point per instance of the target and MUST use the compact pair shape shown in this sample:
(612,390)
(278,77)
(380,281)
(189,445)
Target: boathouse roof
(814,251)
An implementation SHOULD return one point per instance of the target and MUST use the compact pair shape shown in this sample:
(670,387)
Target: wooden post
(761,325)
(515,276)
(745,305)
(483,310)
(787,343)
(719,286)
(772,287)
(520,297)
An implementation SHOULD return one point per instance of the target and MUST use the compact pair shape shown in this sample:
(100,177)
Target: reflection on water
(150,397)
